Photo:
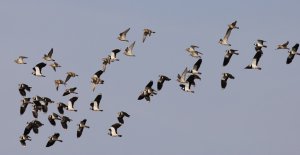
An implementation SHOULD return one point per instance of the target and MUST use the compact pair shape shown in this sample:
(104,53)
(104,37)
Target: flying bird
(23,139)
(96,79)
(69,75)
(147,32)
(186,86)
(20,60)
(228,55)
(23,88)
(122,35)
(96,103)
(181,78)
(25,102)
(292,53)
(121,116)
(60,107)
(48,57)
(255,60)
(71,102)
(53,139)
(161,80)
(283,46)
(81,126)
(113,130)
(224,41)
(106,61)
(196,67)
(53,117)
(33,125)
(70,91)
(37,70)
(129,50)
(147,92)
(193,52)
(54,65)
(58,82)
(64,120)
(225,77)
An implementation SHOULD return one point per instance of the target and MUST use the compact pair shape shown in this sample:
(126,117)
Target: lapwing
(81,126)
(25,102)
(69,75)
(121,115)
(186,86)
(224,41)
(147,32)
(71,102)
(255,60)
(283,46)
(53,139)
(20,60)
(54,65)
(161,80)
(122,35)
(225,77)
(147,92)
(53,117)
(129,50)
(96,103)
(48,57)
(193,52)
(64,120)
(58,82)
(33,125)
(23,88)
(60,107)
(70,91)
(37,70)
(23,139)
(113,130)
(181,78)
(292,53)
(96,79)
(113,55)
(106,61)
(228,55)
(196,67)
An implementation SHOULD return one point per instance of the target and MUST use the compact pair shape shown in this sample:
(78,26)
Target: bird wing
(295,48)
(286,43)
(50,53)
(290,58)
(22,92)
(223,83)
(79,131)
(197,64)
(256,58)
(160,84)
(227,34)
(68,78)
(121,120)
(125,32)
(149,85)
(52,121)
(227,58)
(98,98)
(116,126)
(98,73)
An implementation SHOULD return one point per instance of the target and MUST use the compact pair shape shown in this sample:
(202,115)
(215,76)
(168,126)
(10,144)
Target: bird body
(147,32)
(228,55)
(20,60)
(113,130)
(122,35)
(37,70)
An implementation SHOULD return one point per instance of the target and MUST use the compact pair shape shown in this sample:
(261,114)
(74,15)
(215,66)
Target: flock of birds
(186,80)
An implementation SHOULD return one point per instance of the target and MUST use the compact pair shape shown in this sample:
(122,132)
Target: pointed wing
(160,84)
(286,43)
(125,32)
(79,131)
(295,48)
(23,108)
(67,78)
(98,73)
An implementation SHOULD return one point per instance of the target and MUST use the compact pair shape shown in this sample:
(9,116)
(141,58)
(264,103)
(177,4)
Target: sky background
(258,112)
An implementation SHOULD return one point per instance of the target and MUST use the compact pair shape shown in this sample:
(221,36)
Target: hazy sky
(257,114)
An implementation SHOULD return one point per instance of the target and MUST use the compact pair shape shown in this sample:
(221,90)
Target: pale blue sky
(258,113)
